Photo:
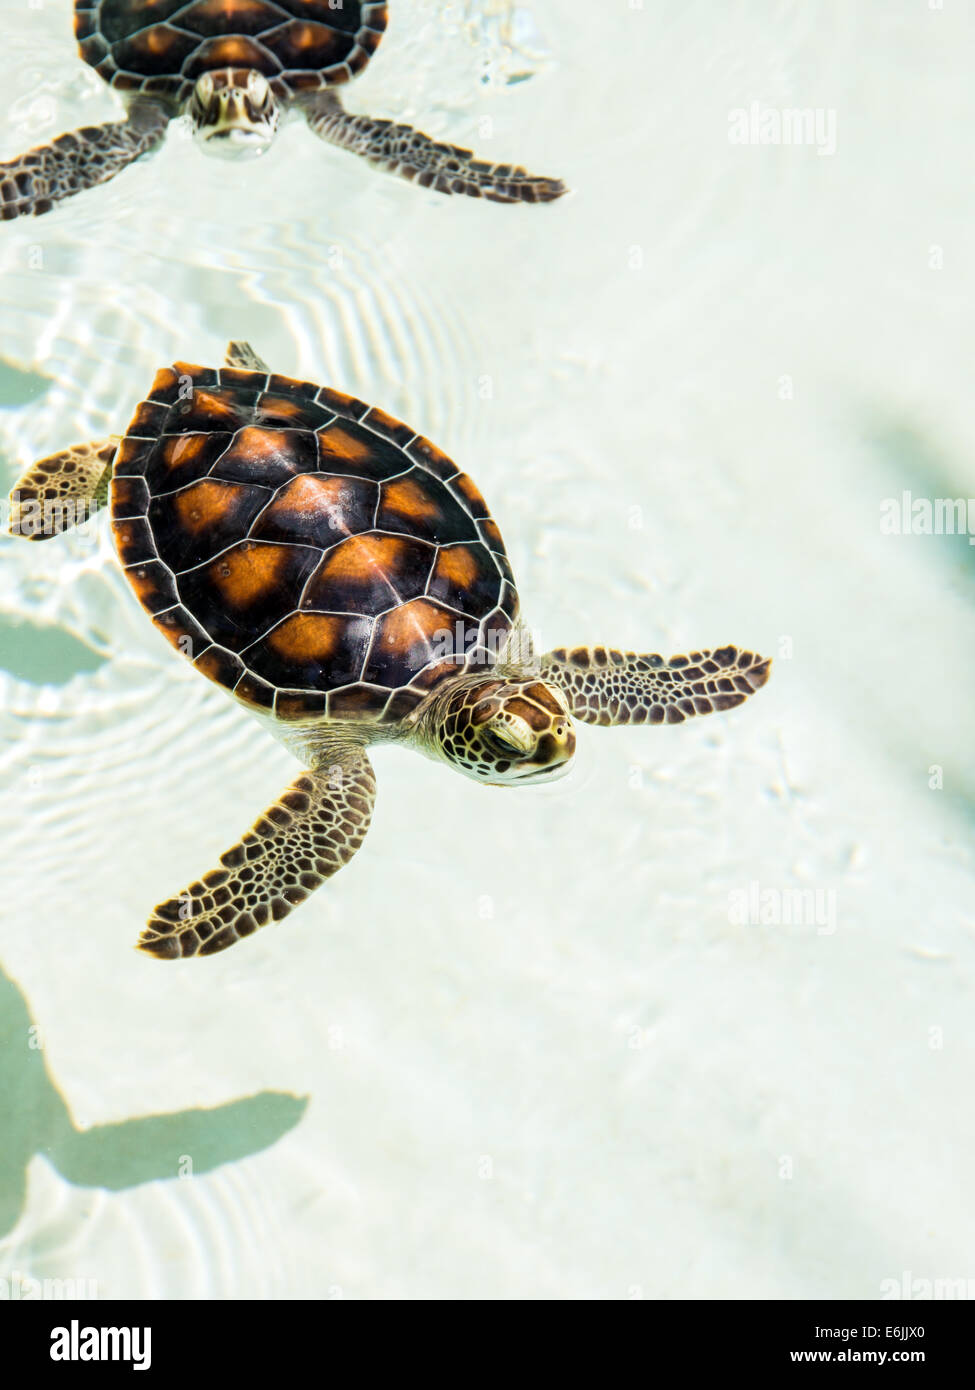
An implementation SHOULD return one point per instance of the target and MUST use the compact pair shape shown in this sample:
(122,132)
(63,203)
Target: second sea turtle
(234,67)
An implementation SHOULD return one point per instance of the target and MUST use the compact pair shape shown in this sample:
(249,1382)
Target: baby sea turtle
(346,582)
(234,67)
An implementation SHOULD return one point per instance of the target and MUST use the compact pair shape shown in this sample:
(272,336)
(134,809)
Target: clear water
(522,1046)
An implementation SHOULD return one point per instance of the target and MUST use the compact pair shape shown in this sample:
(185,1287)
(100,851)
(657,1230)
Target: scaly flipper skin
(604,686)
(62,490)
(309,833)
(402,150)
(243,356)
(42,177)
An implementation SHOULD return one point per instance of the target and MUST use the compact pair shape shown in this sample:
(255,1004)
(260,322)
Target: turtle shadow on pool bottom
(35,1120)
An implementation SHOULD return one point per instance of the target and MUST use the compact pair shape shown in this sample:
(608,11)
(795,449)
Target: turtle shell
(312,555)
(161,47)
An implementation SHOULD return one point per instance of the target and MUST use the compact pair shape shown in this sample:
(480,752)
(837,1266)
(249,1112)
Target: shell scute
(241,377)
(359,701)
(407,639)
(192,376)
(401,705)
(490,535)
(389,428)
(212,17)
(194,524)
(96,51)
(346,19)
(304,44)
(149,419)
(319,511)
(312,650)
(437,671)
(287,386)
(133,540)
(358,59)
(494,632)
(165,385)
(182,631)
(155,586)
(85,25)
(180,459)
(299,704)
(212,408)
(154,52)
(130,497)
(227,51)
(346,447)
(278,409)
(350,407)
(267,457)
(464,490)
(465,577)
(239,594)
(370,574)
(220,666)
(414,505)
(255,692)
(117,19)
(429,457)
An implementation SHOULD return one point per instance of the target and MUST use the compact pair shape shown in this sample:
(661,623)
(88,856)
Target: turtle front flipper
(447,168)
(311,831)
(242,355)
(604,686)
(62,490)
(34,182)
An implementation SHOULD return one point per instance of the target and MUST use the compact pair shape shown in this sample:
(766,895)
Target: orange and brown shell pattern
(309,553)
(161,47)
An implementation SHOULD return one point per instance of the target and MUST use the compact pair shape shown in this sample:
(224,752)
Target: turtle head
(504,732)
(234,112)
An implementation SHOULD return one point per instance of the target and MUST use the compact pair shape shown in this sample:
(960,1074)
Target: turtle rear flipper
(62,490)
(447,168)
(37,180)
(242,355)
(604,686)
(311,831)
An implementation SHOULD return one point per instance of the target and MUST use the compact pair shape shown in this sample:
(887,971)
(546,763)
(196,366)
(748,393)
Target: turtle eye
(508,742)
(257,88)
(497,744)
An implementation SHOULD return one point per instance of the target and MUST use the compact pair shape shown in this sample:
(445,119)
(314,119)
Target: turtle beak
(235,142)
(553,755)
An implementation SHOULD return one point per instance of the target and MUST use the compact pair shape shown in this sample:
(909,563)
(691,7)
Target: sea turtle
(345,581)
(234,67)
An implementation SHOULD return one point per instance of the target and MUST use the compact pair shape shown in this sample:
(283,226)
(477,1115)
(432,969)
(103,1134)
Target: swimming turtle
(234,67)
(346,582)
